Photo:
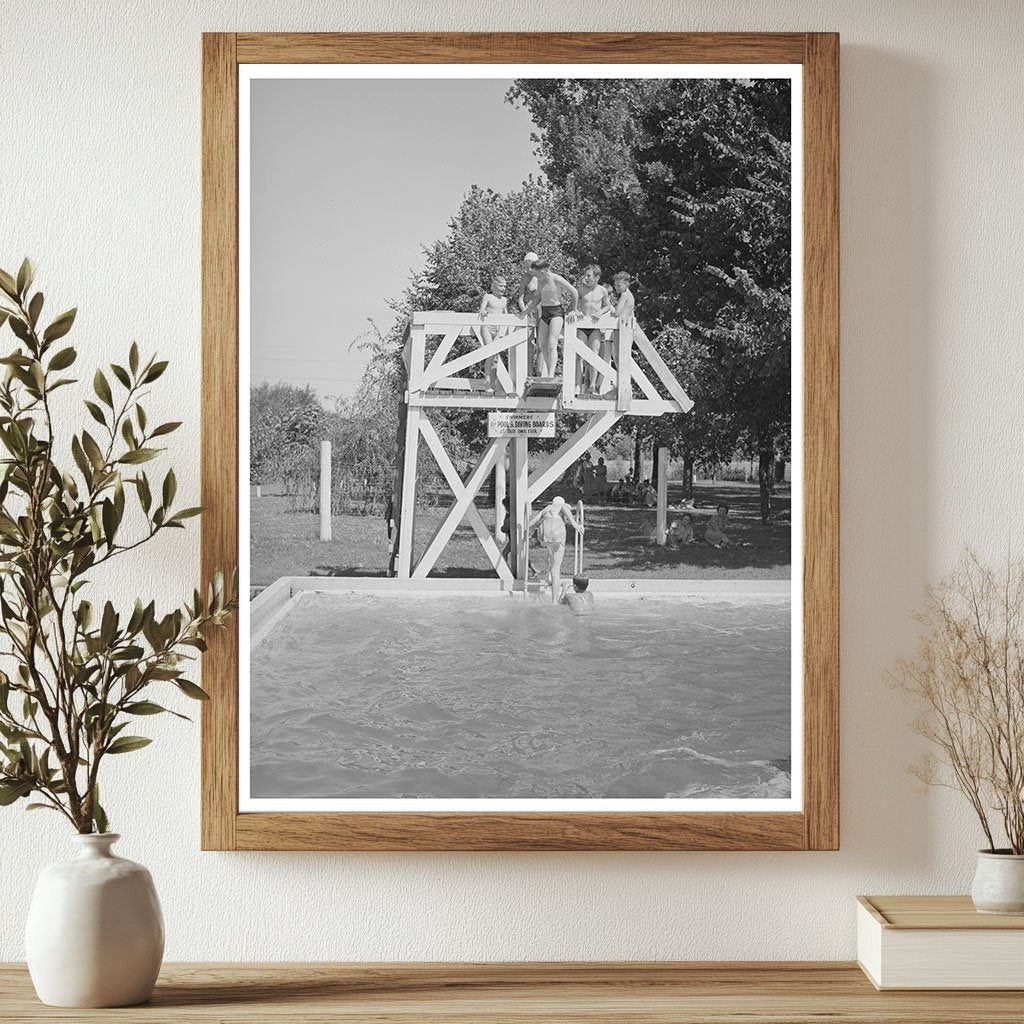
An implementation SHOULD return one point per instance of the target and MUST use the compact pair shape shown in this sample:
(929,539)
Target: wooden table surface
(794,993)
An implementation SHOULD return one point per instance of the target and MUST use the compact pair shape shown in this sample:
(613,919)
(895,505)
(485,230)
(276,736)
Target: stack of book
(938,942)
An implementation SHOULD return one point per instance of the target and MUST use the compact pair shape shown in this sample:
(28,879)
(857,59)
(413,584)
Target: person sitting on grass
(553,314)
(550,523)
(714,532)
(680,532)
(579,600)
(493,301)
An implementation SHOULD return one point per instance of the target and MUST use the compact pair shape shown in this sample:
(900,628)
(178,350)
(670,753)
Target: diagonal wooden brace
(571,449)
(451,475)
(463,499)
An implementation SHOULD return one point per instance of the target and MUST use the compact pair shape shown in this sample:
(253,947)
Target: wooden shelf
(650,993)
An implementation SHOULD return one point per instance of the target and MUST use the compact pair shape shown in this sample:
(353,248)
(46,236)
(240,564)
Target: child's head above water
(580,583)
(723,508)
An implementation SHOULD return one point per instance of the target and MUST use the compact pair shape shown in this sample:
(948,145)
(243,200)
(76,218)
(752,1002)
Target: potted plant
(967,682)
(78,671)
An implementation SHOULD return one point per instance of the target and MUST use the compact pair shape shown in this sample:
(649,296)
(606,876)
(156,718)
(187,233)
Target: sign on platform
(520,424)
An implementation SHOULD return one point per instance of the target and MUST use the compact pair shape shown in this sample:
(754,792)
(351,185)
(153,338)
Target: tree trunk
(765,474)
(687,476)
(654,463)
(780,471)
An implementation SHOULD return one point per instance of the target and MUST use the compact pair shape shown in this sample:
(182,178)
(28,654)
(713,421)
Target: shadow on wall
(887,296)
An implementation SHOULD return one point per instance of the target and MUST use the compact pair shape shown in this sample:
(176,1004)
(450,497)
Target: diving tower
(637,383)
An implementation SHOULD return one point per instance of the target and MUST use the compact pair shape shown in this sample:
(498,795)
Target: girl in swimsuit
(550,522)
(550,287)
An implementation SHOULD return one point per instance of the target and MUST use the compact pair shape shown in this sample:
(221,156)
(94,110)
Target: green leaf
(133,358)
(145,497)
(8,284)
(170,488)
(128,433)
(109,521)
(99,816)
(21,330)
(155,371)
(165,428)
(35,308)
(102,388)
(126,744)
(11,791)
(95,412)
(108,625)
(63,359)
(185,513)
(191,690)
(60,326)
(41,807)
(80,458)
(26,274)
(92,449)
(139,455)
(121,374)
(144,707)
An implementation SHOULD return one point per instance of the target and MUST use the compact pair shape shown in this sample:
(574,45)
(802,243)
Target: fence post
(325,490)
(662,494)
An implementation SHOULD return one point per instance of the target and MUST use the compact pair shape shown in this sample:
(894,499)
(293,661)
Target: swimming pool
(388,695)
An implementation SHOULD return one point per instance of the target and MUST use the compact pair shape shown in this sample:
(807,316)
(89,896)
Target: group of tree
(683,182)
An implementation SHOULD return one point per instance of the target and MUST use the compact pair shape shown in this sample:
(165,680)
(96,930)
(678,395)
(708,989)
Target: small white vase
(95,934)
(999,883)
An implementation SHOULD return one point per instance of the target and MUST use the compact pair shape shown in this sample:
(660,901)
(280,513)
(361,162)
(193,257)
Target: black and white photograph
(520,457)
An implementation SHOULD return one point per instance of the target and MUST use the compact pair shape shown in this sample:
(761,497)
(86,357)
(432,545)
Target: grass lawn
(285,543)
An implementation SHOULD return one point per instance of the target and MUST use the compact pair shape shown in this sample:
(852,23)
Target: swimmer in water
(579,600)
(550,523)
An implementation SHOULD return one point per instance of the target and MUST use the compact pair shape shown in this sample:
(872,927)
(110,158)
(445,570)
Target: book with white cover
(938,942)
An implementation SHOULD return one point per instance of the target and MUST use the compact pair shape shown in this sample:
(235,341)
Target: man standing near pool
(550,523)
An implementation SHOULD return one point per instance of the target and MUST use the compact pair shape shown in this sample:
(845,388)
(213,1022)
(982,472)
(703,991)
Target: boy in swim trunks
(527,290)
(550,523)
(579,599)
(494,301)
(550,288)
(625,302)
(594,303)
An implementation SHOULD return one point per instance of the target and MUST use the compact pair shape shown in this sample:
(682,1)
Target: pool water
(478,696)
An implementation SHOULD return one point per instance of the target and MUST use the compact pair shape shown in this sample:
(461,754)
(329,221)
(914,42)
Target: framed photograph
(521,422)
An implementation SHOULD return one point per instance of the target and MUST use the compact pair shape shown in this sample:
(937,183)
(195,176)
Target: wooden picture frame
(816,827)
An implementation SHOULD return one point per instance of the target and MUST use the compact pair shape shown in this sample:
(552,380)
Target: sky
(350,179)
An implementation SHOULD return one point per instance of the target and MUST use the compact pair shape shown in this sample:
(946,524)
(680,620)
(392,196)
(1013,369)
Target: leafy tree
(687,184)
(286,427)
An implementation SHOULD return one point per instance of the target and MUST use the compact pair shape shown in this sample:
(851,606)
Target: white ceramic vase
(999,883)
(95,934)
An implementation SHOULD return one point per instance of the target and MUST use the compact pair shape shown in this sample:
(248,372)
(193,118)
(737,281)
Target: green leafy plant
(80,673)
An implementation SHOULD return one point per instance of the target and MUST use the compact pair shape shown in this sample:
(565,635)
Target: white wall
(99,181)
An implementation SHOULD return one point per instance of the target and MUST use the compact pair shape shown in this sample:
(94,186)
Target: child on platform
(553,314)
(493,301)
(594,303)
